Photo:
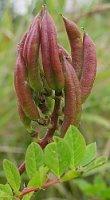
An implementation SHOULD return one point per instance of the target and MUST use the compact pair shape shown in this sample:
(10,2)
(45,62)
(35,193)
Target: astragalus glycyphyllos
(60,81)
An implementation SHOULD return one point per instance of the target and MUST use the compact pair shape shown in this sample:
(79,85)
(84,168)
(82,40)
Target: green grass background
(95,121)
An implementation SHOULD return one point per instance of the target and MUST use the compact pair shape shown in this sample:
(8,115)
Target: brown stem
(35,189)
(54,119)
(100,9)
(50,132)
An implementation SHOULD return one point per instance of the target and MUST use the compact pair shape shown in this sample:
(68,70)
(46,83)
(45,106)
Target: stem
(35,189)
(100,9)
(54,119)
(50,132)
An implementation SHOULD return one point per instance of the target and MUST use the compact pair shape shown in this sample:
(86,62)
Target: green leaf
(96,163)
(28,196)
(100,161)
(70,175)
(39,177)
(5,191)
(37,180)
(12,175)
(57,156)
(77,145)
(34,159)
(90,154)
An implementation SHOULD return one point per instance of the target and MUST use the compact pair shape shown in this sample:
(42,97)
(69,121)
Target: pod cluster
(51,85)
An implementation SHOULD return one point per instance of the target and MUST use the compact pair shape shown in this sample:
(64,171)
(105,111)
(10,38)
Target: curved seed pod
(21,44)
(24,52)
(25,120)
(28,36)
(23,90)
(70,98)
(33,45)
(75,39)
(78,94)
(89,67)
(50,56)
(72,107)
(40,14)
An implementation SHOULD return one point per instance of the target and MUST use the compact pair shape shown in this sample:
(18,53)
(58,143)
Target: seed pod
(33,45)
(72,108)
(50,56)
(28,36)
(25,120)
(78,94)
(21,44)
(75,39)
(23,90)
(24,52)
(89,67)
(70,98)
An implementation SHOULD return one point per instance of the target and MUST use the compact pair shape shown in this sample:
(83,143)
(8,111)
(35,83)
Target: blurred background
(94,17)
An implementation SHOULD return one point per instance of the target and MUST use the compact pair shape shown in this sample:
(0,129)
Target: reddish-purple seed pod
(23,90)
(75,39)
(72,108)
(89,66)
(24,53)
(21,44)
(70,98)
(27,38)
(24,119)
(33,46)
(78,94)
(50,56)
(22,86)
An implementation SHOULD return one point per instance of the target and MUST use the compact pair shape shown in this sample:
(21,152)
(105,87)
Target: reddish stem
(54,120)
(35,189)
(50,133)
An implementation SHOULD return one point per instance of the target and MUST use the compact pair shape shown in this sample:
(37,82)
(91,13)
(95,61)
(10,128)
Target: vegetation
(95,119)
